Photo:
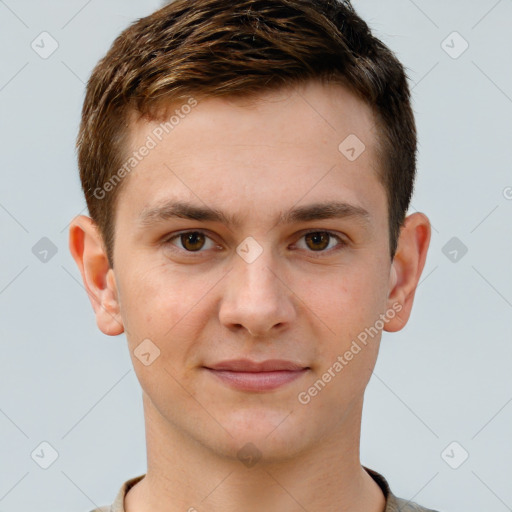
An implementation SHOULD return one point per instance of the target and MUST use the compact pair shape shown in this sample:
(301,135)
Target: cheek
(167,306)
(347,299)
(348,305)
(153,296)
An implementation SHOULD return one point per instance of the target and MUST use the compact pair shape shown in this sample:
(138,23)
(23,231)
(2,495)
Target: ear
(406,268)
(88,251)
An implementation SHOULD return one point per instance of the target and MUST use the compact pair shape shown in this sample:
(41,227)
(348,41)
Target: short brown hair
(212,48)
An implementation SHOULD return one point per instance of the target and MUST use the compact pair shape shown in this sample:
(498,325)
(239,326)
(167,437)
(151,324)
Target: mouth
(246,375)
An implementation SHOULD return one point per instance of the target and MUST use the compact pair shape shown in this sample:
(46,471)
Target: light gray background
(444,378)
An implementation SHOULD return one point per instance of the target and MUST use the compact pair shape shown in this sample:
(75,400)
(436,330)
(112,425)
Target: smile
(257,381)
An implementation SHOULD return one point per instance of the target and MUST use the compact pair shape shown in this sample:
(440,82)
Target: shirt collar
(393,504)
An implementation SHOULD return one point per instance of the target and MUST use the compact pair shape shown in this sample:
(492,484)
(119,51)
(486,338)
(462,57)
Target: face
(249,233)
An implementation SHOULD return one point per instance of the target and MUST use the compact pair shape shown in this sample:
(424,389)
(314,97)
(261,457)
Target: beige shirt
(393,504)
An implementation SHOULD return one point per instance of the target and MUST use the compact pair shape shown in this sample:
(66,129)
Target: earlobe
(407,267)
(86,247)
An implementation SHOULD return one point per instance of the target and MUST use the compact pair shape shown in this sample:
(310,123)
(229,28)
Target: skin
(299,300)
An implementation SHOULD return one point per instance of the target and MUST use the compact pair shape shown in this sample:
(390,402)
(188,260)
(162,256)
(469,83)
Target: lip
(247,375)
(246,365)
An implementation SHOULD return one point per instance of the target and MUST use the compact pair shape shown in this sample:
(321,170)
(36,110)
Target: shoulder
(118,504)
(402,505)
(393,503)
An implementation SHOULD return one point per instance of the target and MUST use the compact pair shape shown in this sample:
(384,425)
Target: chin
(269,436)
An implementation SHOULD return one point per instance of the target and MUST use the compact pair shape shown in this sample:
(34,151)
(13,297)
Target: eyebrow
(184,210)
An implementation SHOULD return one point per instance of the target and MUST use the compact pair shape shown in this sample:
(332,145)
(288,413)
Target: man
(248,168)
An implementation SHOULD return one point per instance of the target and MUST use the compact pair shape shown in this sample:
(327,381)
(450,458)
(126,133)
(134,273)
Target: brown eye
(193,240)
(190,243)
(318,240)
(321,242)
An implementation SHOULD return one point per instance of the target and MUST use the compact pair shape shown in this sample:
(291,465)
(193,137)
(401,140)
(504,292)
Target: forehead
(300,141)
(312,111)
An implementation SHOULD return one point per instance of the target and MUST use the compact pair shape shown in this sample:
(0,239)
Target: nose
(257,297)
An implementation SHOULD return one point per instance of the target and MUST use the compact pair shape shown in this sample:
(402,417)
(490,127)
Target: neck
(184,475)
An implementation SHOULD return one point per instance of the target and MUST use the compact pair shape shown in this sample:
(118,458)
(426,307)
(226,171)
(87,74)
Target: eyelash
(341,243)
